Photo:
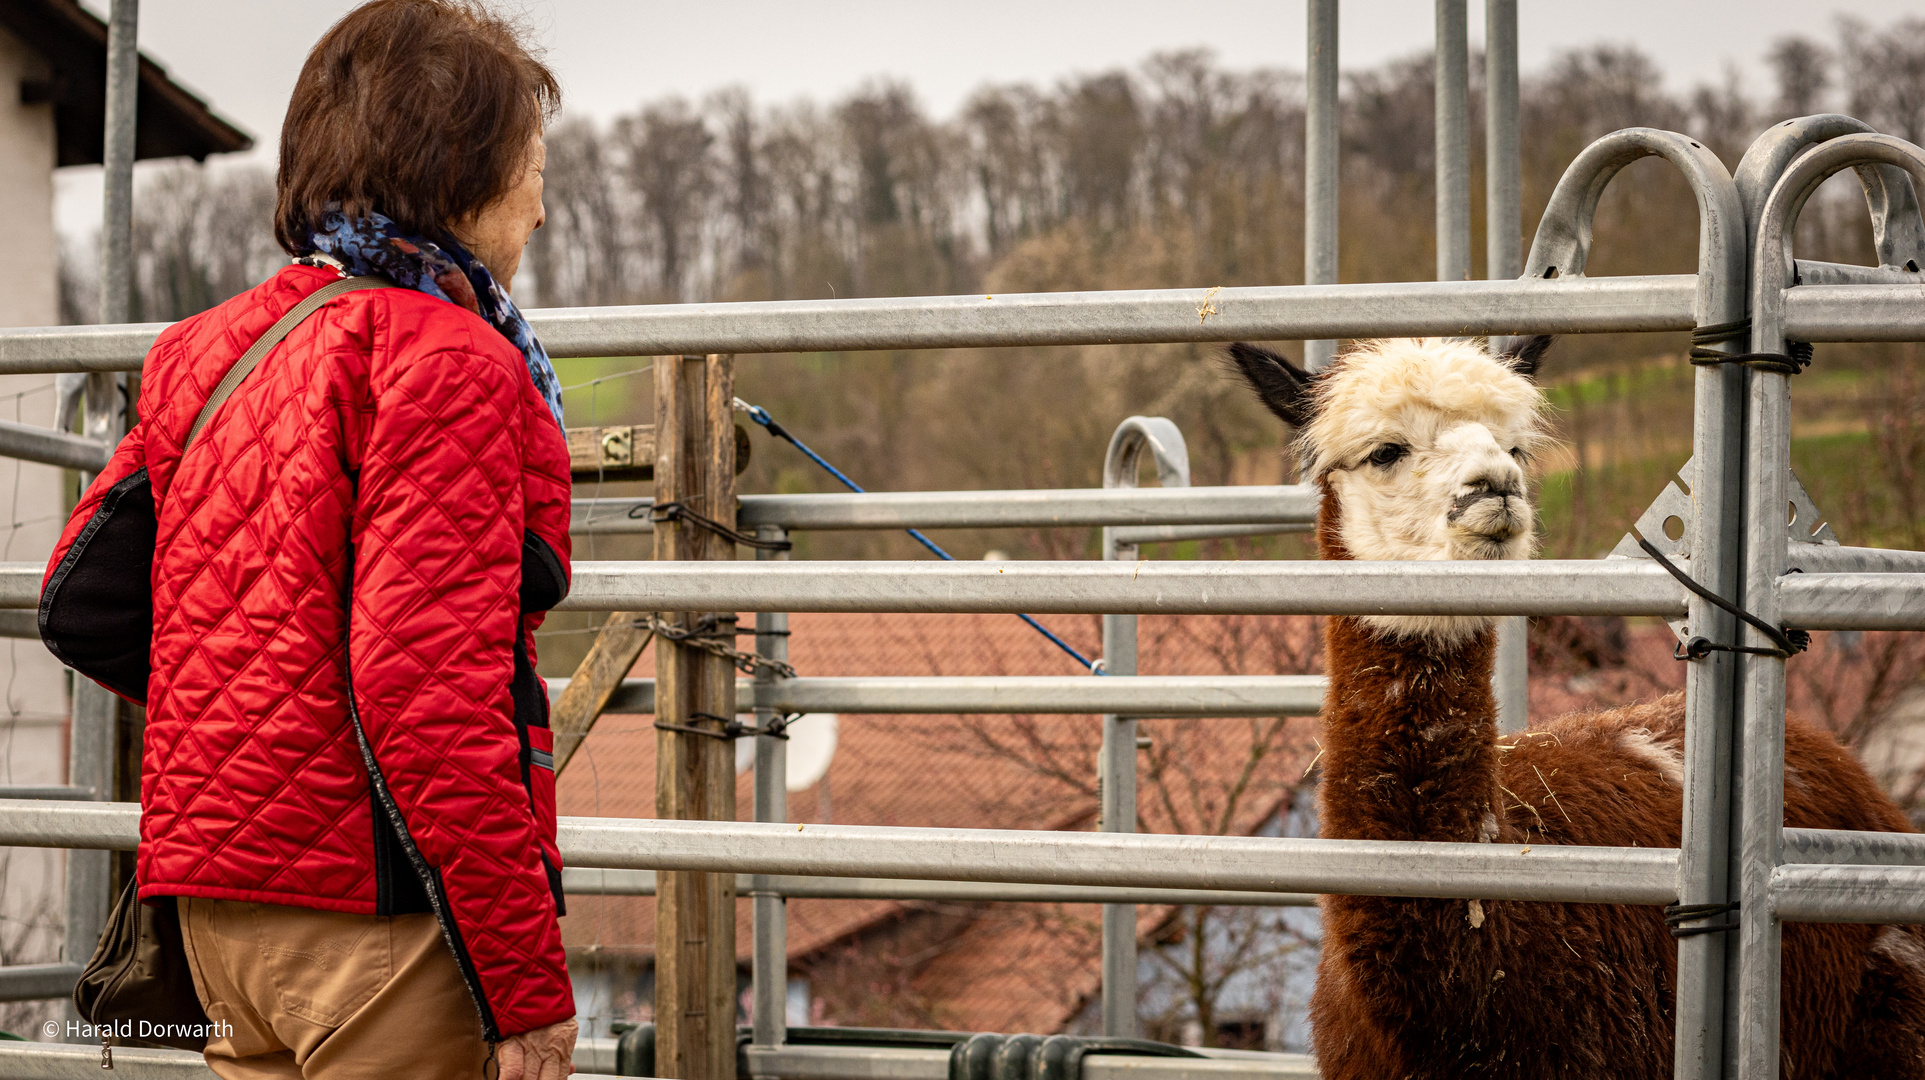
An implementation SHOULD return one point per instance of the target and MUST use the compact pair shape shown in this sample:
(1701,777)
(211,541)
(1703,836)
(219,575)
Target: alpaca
(1420,450)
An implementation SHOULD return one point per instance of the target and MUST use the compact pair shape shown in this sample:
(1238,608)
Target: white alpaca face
(1424,444)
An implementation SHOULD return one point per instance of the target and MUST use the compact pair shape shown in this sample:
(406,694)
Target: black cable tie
(691,729)
(732,730)
(1789,642)
(1791,362)
(678,511)
(1718,333)
(1795,359)
(1676,915)
(1700,647)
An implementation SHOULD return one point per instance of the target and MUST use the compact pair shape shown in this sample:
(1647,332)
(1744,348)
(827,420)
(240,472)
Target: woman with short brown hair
(348,785)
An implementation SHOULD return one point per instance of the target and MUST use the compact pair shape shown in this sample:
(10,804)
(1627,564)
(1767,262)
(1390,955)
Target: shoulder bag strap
(252,357)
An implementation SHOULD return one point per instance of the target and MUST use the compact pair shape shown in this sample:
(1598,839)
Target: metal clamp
(1676,915)
(776,728)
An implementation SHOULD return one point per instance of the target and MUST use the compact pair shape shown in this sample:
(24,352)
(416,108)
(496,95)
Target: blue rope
(761,416)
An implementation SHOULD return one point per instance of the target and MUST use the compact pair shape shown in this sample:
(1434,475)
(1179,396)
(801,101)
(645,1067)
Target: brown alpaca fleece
(1418,988)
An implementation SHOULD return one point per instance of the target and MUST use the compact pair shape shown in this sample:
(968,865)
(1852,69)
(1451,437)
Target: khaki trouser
(330,996)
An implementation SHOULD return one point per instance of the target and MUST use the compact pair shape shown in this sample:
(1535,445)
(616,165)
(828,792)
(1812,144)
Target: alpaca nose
(1482,491)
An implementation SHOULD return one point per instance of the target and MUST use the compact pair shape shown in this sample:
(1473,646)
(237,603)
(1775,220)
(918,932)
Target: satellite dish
(812,745)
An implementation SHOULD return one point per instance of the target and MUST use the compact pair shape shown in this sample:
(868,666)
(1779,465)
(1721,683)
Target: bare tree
(1803,70)
(581,255)
(1099,132)
(1013,174)
(201,235)
(746,209)
(1723,117)
(669,164)
(1885,75)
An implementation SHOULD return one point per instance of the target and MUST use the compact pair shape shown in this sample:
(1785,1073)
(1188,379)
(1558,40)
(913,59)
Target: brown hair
(419,109)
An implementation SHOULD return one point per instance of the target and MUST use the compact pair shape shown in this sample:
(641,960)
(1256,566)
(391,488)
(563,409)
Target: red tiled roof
(986,967)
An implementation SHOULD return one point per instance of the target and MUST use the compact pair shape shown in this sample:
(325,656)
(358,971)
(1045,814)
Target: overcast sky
(242,55)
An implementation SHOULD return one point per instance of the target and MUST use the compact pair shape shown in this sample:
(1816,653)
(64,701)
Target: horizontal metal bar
(593,1056)
(1568,587)
(792,1062)
(1146,860)
(48,447)
(1164,534)
(55,1061)
(1817,892)
(1130,695)
(1395,309)
(1543,587)
(1845,846)
(1573,305)
(20,585)
(804,1062)
(582,882)
(1144,696)
(1141,860)
(44,349)
(114,826)
(44,791)
(1124,1067)
(1855,313)
(37,982)
(1811,272)
(1266,504)
(1831,559)
(1853,601)
(1255,504)
(19,625)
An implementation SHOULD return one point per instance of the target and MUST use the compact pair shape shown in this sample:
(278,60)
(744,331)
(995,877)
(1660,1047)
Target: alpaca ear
(1523,354)
(1283,387)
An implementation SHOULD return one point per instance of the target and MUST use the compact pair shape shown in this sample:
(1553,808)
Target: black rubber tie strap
(677,511)
(1789,642)
(778,727)
(1676,915)
(1796,357)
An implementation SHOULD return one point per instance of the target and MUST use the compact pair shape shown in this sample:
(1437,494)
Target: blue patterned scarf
(442,269)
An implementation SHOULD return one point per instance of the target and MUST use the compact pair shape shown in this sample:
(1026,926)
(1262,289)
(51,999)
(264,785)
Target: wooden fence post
(695,692)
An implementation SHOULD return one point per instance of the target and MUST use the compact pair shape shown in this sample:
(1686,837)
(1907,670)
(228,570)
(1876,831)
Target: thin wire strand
(629,374)
(761,416)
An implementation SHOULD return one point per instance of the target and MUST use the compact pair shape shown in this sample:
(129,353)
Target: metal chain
(707,636)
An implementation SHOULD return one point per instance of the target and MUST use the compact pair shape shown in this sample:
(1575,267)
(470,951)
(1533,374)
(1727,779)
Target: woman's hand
(542,1054)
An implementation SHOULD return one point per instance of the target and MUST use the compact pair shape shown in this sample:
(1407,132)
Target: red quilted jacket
(394,440)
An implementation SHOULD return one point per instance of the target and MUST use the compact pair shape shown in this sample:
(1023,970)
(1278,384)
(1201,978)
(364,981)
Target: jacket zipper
(430,876)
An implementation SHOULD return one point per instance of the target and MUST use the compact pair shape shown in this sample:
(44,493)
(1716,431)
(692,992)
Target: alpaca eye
(1388,454)
(1517,452)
